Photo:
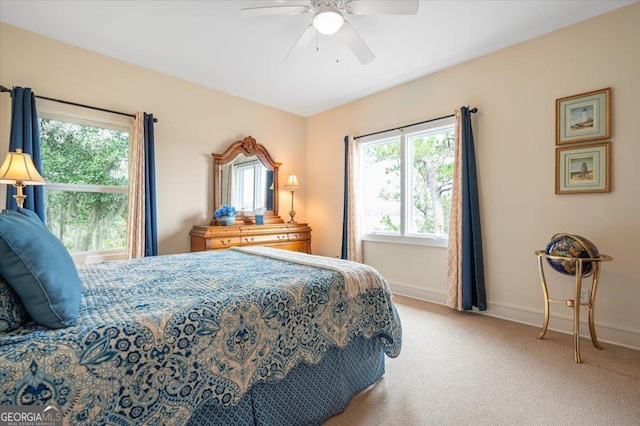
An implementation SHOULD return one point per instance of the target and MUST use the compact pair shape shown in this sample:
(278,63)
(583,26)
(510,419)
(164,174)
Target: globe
(569,245)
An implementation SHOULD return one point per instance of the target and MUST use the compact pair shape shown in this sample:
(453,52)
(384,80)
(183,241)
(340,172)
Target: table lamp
(18,170)
(292,184)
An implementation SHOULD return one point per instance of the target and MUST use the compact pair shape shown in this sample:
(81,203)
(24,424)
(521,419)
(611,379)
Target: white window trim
(427,240)
(79,115)
(82,257)
(412,240)
(75,187)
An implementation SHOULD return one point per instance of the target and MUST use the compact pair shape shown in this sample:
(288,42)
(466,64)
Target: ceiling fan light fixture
(328,20)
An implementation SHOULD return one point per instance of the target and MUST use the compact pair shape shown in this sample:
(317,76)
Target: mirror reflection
(247,184)
(246,177)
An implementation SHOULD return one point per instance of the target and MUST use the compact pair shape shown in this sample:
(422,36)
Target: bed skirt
(308,395)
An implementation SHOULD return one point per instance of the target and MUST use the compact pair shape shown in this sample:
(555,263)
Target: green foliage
(85,155)
(73,153)
(432,179)
(388,224)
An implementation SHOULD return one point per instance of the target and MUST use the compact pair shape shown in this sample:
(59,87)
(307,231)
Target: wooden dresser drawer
(300,236)
(301,246)
(263,239)
(287,236)
(222,242)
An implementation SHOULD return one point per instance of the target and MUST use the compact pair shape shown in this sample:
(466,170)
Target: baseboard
(561,323)
(419,293)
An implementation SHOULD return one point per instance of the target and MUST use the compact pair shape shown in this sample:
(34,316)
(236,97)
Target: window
(405,183)
(249,177)
(85,164)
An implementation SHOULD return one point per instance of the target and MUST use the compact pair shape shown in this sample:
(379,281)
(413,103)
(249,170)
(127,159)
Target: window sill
(80,258)
(408,240)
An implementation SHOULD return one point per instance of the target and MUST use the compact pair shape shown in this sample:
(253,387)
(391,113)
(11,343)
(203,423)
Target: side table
(576,302)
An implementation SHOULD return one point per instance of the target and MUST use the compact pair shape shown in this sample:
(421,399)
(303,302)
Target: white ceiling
(208,43)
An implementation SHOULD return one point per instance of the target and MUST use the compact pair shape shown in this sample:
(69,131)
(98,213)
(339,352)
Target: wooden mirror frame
(249,147)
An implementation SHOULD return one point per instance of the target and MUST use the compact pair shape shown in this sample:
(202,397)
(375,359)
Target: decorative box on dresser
(287,236)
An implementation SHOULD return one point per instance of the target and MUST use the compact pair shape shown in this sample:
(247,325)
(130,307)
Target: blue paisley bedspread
(159,336)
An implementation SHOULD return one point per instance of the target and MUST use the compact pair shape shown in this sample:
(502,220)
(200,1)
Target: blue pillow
(39,269)
(30,213)
(25,212)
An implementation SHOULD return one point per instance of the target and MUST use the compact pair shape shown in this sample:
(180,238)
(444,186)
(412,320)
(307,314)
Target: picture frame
(583,169)
(584,118)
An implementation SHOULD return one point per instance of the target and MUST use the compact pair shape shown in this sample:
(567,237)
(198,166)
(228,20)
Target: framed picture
(584,117)
(583,169)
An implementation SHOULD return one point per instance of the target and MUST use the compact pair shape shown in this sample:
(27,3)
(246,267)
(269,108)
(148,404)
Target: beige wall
(515,91)
(193,123)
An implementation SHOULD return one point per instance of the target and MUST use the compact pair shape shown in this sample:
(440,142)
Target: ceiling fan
(329,18)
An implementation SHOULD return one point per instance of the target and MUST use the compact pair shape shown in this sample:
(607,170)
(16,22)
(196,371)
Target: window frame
(82,116)
(404,134)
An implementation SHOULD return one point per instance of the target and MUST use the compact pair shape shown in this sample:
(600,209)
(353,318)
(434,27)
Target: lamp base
(20,200)
(19,194)
(292,213)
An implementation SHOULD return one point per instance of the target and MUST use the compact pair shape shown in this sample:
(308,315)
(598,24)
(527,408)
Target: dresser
(287,236)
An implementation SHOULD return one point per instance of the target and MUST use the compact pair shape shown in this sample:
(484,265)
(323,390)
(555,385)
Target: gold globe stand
(574,303)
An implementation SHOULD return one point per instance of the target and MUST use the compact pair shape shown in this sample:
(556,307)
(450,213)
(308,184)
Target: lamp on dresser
(292,184)
(18,170)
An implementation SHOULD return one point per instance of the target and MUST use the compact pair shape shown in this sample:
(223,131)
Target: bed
(243,336)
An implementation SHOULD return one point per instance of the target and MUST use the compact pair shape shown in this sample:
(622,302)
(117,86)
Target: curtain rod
(4,89)
(473,110)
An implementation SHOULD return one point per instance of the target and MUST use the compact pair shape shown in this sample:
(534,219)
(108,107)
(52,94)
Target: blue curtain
(25,134)
(473,291)
(343,254)
(269,191)
(151,222)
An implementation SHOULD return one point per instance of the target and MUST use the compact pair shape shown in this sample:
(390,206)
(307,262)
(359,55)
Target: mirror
(246,177)
(246,184)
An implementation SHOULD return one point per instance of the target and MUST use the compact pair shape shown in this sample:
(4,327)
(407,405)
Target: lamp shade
(18,168)
(328,20)
(292,182)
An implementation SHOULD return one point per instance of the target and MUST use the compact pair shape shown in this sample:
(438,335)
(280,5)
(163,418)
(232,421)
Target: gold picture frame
(583,169)
(584,118)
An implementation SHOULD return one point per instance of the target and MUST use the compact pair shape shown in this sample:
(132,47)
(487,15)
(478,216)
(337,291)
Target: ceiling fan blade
(377,7)
(274,10)
(359,48)
(302,42)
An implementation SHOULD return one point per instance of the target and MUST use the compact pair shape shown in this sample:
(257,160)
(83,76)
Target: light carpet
(462,368)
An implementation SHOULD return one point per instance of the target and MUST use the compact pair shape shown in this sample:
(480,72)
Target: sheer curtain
(135,212)
(351,239)
(465,265)
(25,134)
(141,218)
